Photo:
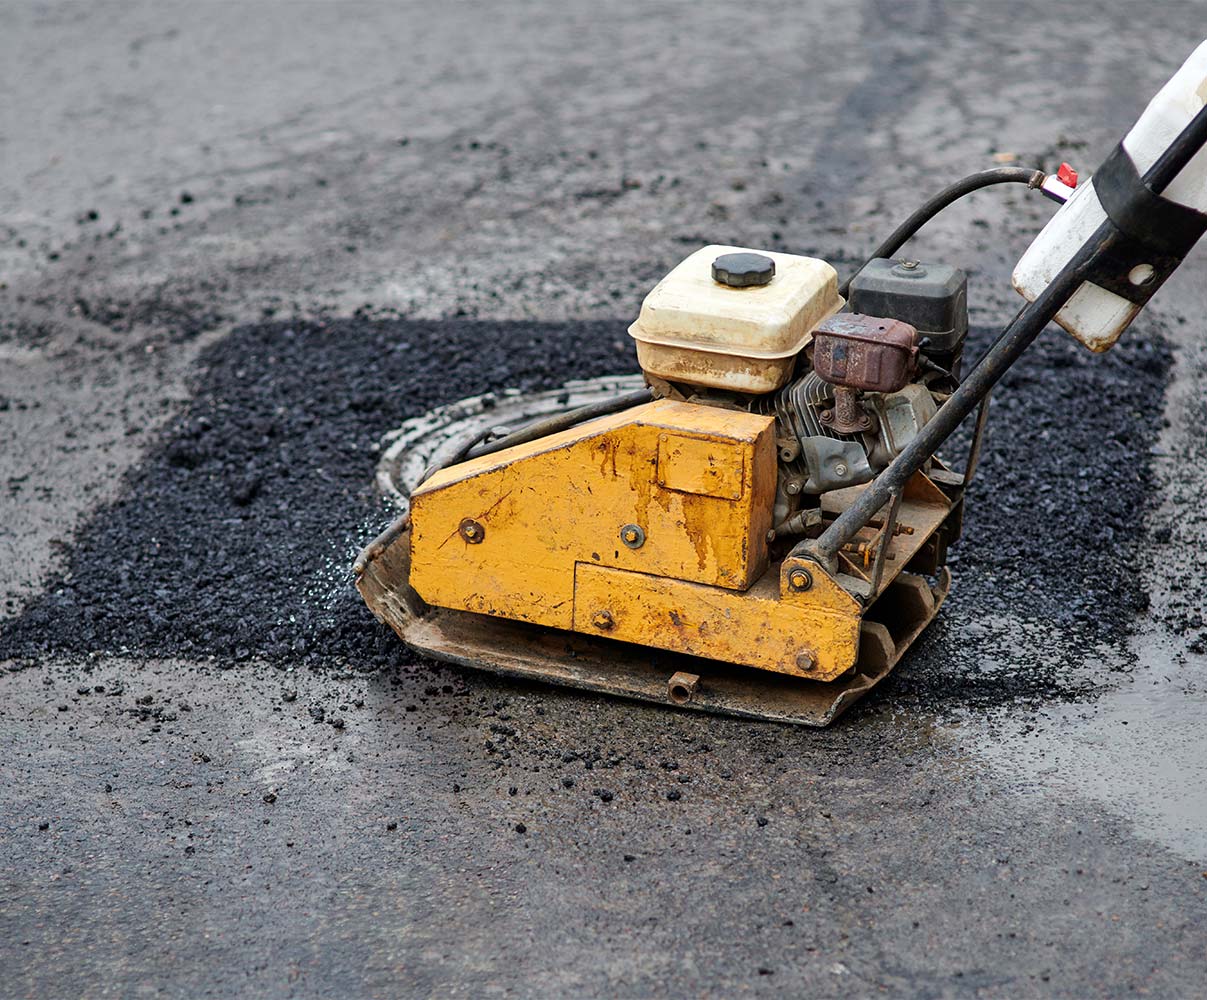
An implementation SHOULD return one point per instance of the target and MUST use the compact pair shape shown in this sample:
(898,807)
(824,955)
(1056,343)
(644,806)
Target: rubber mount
(743,270)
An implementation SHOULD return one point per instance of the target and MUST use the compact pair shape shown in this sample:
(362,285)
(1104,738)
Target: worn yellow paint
(763,627)
(701,465)
(699,482)
(562,500)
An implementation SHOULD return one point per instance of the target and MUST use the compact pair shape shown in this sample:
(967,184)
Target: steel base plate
(518,649)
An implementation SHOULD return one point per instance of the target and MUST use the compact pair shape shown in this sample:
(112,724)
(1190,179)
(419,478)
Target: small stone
(289,695)
(270,797)
(762,821)
(391,825)
(673,795)
(521,828)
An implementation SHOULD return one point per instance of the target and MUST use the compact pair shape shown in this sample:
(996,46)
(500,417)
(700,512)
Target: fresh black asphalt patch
(234,537)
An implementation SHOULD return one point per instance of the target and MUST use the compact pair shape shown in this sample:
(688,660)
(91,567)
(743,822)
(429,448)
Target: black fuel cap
(743,270)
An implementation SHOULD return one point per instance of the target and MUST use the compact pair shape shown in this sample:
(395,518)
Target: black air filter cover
(932,298)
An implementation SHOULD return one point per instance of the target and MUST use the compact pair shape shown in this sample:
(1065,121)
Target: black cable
(973,182)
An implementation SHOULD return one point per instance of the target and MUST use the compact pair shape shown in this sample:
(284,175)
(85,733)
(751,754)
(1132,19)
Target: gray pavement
(550,161)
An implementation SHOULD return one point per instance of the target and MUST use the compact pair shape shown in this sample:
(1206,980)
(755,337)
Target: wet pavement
(237,246)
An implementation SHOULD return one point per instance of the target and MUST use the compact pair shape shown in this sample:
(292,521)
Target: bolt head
(806,660)
(799,579)
(632,536)
(743,270)
(603,620)
(471,531)
(908,269)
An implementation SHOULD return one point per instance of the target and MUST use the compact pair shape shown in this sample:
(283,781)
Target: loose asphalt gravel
(262,486)
(239,246)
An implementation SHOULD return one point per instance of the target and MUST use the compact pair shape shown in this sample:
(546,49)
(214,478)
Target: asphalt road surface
(240,242)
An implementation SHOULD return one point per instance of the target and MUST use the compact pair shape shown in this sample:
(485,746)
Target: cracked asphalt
(239,243)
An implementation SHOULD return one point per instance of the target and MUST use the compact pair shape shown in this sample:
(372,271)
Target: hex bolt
(806,661)
(603,620)
(799,579)
(792,487)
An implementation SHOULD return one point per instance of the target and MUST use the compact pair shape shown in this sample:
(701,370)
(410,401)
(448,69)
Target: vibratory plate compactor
(763,528)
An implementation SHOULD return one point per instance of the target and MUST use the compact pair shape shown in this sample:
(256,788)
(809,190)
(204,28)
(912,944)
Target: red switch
(1067,175)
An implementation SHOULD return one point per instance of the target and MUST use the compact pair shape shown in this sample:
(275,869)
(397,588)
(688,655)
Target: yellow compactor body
(636,553)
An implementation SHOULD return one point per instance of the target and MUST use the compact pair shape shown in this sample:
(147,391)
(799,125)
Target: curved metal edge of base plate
(570,659)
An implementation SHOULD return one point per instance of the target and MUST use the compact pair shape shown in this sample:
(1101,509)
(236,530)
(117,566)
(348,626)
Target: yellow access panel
(813,635)
(668,489)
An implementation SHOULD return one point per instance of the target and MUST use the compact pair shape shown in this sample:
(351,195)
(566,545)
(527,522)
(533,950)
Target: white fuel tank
(696,329)
(1093,315)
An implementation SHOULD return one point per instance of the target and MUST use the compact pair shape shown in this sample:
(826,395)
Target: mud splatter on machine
(763,529)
